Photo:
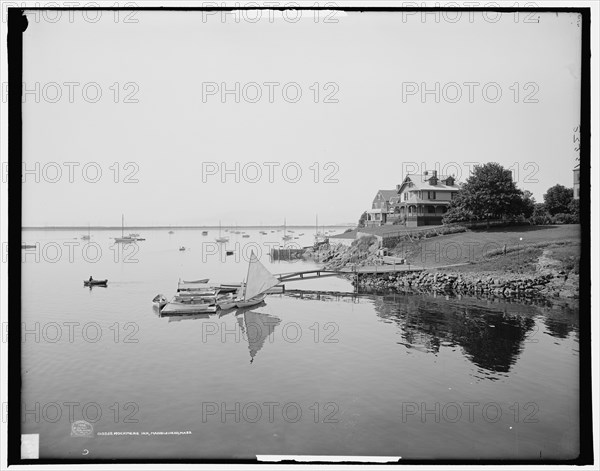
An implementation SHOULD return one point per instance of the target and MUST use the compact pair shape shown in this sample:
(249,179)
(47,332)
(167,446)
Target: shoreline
(547,267)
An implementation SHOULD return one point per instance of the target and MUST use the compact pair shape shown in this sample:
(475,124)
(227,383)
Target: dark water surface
(400,375)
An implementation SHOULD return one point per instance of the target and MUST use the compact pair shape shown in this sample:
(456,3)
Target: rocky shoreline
(548,278)
(491,284)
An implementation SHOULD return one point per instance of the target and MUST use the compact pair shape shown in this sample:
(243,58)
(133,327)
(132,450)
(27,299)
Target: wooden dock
(363,270)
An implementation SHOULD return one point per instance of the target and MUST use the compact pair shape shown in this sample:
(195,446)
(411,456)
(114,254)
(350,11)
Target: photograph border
(17,24)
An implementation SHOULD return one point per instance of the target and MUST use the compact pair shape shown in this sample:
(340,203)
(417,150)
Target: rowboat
(160,300)
(182,249)
(202,281)
(204,233)
(188,306)
(95,283)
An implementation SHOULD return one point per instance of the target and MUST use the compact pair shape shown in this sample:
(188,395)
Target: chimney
(433,179)
(398,187)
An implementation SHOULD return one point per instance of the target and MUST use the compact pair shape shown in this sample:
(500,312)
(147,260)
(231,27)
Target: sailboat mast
(248,275)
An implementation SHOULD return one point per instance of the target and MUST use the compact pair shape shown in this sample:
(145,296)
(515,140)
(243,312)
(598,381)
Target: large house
(420,200)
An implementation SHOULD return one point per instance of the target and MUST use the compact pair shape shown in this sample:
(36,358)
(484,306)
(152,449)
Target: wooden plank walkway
(364,270)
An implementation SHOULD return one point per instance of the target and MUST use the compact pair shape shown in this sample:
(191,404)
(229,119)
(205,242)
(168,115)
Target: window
(453,195)
(431,195)
(431,209)
(406,196)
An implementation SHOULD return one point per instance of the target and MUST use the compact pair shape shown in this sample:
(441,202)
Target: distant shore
(131,227)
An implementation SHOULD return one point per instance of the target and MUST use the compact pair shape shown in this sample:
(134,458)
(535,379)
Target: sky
(129,118)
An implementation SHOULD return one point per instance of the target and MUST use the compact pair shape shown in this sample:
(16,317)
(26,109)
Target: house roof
(387,194)
(420,182)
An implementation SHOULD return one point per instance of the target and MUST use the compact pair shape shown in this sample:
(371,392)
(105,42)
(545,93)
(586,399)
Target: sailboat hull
(252,301)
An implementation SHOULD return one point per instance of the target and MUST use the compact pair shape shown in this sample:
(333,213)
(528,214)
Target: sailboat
(258,281)
(124,239)
(220,238)
(285,236)
(88,236)
(320,237)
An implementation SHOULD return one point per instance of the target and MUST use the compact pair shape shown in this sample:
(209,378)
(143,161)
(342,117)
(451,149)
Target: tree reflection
(491,336)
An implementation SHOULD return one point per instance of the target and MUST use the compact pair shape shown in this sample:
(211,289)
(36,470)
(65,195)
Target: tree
(574,208)
(489,193)
(362,220)
(528,204)
(540,215)
(557,199)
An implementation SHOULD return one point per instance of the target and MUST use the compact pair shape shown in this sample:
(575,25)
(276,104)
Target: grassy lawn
(524,245)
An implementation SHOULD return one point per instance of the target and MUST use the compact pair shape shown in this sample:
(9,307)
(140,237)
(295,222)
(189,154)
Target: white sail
(259,279)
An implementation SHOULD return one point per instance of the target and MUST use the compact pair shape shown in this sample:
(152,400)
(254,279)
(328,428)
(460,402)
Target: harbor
(314,319)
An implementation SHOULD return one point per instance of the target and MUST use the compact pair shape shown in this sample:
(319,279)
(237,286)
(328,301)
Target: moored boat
(160,300)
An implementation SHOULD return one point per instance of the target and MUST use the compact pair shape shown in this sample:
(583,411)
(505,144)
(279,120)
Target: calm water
(399,375)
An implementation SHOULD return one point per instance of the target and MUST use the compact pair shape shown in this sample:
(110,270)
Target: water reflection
(492,335)
(255,327)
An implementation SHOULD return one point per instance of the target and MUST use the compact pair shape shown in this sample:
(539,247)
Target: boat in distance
(95,282)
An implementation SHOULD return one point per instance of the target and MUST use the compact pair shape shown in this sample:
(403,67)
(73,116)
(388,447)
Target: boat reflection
(255,326)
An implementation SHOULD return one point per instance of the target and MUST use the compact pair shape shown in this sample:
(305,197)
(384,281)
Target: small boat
(190,306)
(88,236)
(285,236)
(171,232)
(204,233)
(27,246)
(245,236)
(252,301)
(264,232)
(95,283)
(160,300)
(124,239)
(258,281)
(182,249)
(229,252)
(221,239)
(201,281)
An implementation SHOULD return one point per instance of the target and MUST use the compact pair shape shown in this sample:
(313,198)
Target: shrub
(565,218)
